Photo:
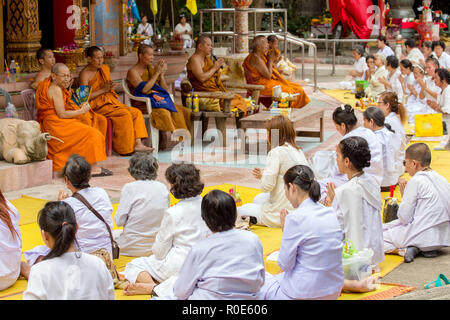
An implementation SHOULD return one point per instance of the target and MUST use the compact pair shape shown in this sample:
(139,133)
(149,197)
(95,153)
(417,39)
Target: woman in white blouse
(141,207)
(359,69)
(10,243)
(182,226)
(92,233)
(442,80)
(145,29)
(375,85)
(283,155)
(392,81)
(185,30)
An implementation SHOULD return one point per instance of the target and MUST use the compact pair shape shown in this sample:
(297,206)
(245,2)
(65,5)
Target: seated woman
(358,203)
(407,78)
(182,226)
(395,115)
(371,68)
(92,234)
(10,243)
(283,155)
(345,120)
(141,207)
(358,72)
(311,247)
(442,80)
(392,81)
(415,104)
(374,120)
(229,264)
(375,86)
(65,273)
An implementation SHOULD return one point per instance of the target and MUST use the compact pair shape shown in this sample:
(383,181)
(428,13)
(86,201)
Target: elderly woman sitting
(358,71)
(141,207)
(376,87)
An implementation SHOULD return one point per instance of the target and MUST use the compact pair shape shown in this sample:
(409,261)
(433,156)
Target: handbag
(114,245)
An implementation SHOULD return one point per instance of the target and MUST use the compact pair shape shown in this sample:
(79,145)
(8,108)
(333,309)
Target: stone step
(14,176)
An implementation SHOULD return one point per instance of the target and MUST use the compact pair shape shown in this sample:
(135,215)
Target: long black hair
(375,114)
(356,149)
(345,114)
(303,177)
(57,218)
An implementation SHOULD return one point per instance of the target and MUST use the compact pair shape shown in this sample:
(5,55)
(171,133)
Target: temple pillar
(241,25)
(2,43)
(22,33)
(106,27)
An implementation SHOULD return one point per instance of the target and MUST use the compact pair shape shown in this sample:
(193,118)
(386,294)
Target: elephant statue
(22,141)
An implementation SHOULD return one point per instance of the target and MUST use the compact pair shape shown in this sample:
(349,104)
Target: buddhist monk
(129,125)
(62,118)
(46,59)
(263,72)
(146,75)
(204,75)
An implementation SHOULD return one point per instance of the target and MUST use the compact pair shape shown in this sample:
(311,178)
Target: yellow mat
(347,97)
(28,208)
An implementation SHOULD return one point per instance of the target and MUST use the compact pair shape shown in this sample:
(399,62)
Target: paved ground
(416,274)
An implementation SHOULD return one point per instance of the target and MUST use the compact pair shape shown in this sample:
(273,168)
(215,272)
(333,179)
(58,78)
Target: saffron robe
(80,134)
(160,118)
(276,80)
(214,84)
(128,122)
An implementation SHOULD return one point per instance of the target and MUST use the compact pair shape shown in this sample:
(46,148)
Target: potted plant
(176,43)
(110,60)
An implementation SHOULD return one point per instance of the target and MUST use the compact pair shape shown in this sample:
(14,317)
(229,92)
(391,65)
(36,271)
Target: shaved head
(257,41)
(143,47)
(419,152)
(57,67)
(92,50)
(202,40)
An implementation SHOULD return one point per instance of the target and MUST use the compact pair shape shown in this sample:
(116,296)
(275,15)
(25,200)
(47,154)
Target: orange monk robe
(78,136)
(160,118)
(214,84)
(128,122)
(276,80)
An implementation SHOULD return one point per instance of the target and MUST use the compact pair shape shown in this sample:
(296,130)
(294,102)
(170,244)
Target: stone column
(241,25)
(106,25)
(22,33)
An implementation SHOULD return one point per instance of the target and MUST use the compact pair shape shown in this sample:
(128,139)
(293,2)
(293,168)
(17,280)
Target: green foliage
(298,25)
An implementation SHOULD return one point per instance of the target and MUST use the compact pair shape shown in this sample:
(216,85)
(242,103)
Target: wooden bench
(298,117)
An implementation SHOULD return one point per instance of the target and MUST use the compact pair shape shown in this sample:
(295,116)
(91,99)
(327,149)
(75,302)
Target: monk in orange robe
(262,71)
(142,71)
(129,125)
(62,118)
(204,75)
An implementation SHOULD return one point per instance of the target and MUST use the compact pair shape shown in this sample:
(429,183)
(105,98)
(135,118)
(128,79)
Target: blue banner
(219,4)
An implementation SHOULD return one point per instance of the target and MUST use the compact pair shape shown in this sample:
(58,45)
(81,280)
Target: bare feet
(138,288)
(25,269)
(140,147)
(366,285)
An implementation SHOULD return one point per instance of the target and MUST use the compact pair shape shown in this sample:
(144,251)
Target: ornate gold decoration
(22,33)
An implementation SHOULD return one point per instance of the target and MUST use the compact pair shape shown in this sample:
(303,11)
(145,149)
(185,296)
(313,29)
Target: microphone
(215,59)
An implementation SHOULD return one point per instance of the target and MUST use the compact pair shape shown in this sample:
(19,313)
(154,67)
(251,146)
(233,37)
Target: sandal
(438,282)
(104,173)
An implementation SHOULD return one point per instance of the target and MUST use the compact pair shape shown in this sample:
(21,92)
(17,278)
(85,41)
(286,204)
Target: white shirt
(376,152)
(145,30)
(395,83)
(180,29)
(358,205)
(226,265)
(10,250)
(396,125)
(415,55)
(430,84)
(311,252)
(444,100)
(182,227)
(92,233)
(391,146)
(375,86)
(360,66)
(423,215)
(141,208)
(279,160)
(72,276)
(386,52)
(444,60)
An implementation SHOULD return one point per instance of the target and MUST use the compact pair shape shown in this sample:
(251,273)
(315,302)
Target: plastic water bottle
(12,71)
(189,102)
(10,111)
(195,103)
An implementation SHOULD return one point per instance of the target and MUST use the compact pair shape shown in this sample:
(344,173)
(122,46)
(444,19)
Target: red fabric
(353,15)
